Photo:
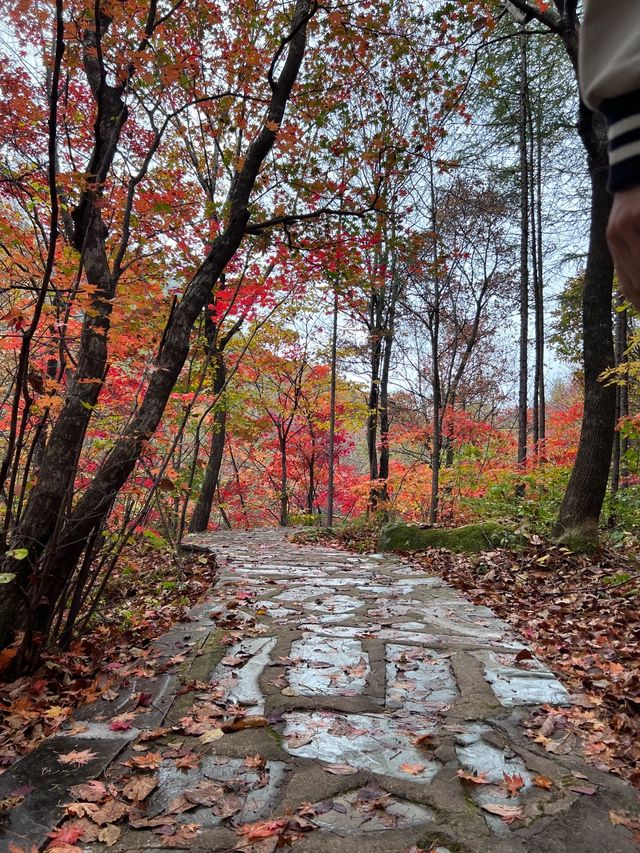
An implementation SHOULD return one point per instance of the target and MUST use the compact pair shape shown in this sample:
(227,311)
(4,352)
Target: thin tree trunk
(284,485)
(202,511)
(332,410)
(622,397)
(524,263)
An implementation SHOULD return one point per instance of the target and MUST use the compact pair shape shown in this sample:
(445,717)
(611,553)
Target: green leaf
(6,577)
(17,554)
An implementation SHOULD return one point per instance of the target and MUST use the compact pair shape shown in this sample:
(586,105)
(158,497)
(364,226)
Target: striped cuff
(623,118)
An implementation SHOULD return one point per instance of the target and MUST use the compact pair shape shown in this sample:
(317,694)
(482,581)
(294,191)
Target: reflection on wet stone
(526,683)
(239,684)
(331,667)
(363,741)
(369,809)
(418,679)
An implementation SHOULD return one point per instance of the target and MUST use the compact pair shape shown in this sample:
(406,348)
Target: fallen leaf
(339,769)
(512,784)
(211,735)
(110,812)
(91,792)
(119,726)
(626,820)
(109,834)
(412,769)
(80,809)
(77,757)
(507,813)
(476,778)
(66,834)
(424,741)
(139,787)
(263,829)
(543,782)
(150,761)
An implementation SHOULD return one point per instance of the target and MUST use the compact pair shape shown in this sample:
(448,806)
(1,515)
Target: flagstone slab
(377,743)
(327,667)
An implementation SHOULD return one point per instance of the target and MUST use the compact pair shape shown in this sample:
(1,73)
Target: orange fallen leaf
(263,829)
(412,769)
(476,778)
(150,761)
(543,782)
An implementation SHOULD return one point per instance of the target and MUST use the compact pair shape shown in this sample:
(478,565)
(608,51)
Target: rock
(469,539)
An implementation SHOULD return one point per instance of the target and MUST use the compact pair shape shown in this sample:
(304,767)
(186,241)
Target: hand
(623,235)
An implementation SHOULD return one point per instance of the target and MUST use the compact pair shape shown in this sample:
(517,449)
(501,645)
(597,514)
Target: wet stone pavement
(329,701)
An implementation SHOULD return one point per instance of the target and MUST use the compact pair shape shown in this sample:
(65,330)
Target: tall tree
(584,496)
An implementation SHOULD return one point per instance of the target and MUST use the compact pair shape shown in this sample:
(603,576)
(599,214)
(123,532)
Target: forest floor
(326,700)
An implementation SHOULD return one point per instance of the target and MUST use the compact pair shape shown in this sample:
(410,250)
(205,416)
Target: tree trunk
(622,394)
(202,512)
(284,485)
(524,263)
(332,411)
(582,503)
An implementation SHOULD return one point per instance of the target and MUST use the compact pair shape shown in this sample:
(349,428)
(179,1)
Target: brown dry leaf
(182,837)
(139,787)
(296,741)
(138,820)
(412,769)
(227,806)
(189,761)
(81,809)
(543,782)
(626,820)
(243,723)
(110,812)
(109,834)
(211,735)
(205,794)
(476,778)
(507,813)
(339,769)
(154,734)
(263,829)
(424,741)
(589,790)
(90,792)
(77,757)
(256,760)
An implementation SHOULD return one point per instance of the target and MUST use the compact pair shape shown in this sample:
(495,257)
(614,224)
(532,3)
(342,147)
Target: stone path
(326,700)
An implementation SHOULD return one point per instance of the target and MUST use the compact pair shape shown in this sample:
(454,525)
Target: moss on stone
(469,539)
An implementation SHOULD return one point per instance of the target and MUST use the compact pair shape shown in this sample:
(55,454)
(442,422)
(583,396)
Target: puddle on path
(477,756)
(246,793)
(528,684)
(369,809)
(240,683)
(418,679)
(330,667)
(370,742)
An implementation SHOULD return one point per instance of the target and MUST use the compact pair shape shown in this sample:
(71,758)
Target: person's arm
(610,82)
